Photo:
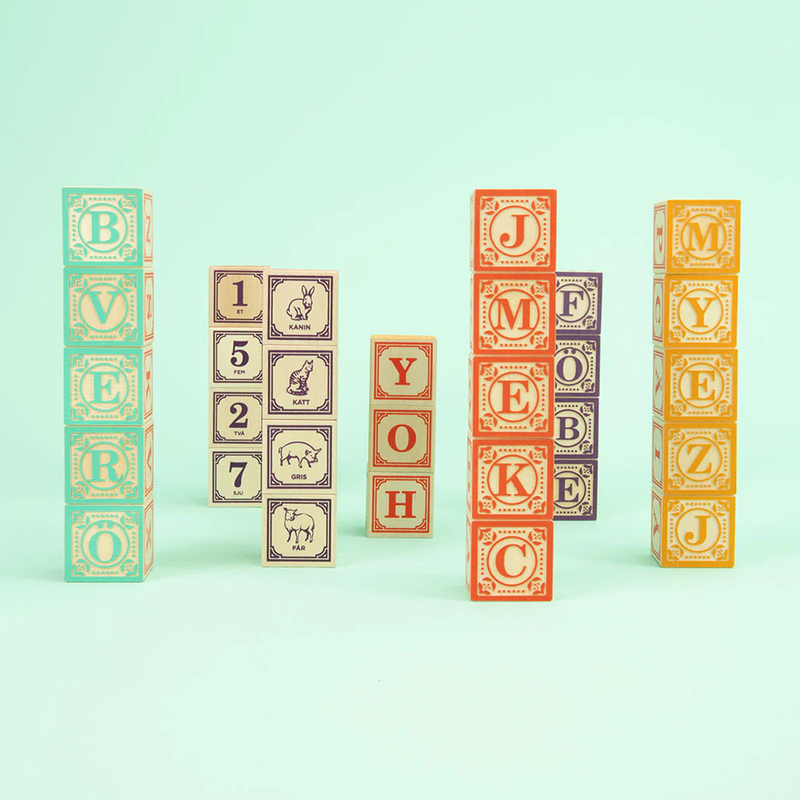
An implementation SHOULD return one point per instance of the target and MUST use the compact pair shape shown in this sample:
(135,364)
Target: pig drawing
(300,452)
(298,523)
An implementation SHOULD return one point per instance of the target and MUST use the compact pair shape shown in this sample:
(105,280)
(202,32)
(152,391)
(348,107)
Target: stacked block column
(300,389)
(510,445)
(579,298)
(402,432)
(695,296)
(236,319)
(108,383)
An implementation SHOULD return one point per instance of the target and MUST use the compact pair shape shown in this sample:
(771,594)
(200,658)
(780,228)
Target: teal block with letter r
(107,226)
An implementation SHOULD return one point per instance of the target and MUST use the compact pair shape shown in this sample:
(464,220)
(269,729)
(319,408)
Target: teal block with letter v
(107,226)
(111,544)
(108,465)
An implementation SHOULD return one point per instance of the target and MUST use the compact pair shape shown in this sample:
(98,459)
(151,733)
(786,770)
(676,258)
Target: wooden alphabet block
(695,311)
(510,560)
(508,477)
(108,306)
(575,490)
(403,370)
(108,385)
(514,229)
(235,416)
(692,531)
(691,458)
(302,308)
(576,427)
(513,313)
(511,395)
(107,226)
(401,438)
(236,356)
(300,381)
(695,384)
(299,457)
(700,236)
(299,531)
(236,296)
(577,366)
(400,505)
(579,302)
(109,543)
(108,465)
(235,477)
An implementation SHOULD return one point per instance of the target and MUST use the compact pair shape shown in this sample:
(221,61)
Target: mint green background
(348,136)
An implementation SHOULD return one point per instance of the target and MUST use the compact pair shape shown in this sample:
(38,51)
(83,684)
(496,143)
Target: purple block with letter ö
(579,302)
(575,427)
(575,490)
(577,365)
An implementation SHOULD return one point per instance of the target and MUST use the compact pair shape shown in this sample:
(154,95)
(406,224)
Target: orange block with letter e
(400,505)
(510,560)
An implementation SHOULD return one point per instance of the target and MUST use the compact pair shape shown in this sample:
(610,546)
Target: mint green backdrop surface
(349,136)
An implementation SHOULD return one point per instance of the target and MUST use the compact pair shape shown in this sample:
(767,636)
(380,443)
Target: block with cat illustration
(300,381)
(302,307)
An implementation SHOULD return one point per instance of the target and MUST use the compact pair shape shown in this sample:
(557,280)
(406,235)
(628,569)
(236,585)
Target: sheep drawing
(298,523)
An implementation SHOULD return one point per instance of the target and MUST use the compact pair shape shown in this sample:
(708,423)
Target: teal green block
(107,226)
(108,306)
(108,465)
(108,385)
(108,544)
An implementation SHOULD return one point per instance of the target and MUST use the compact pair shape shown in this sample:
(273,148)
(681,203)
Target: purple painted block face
(575,428)
(579,298)
(301,307)
(575,490)
(577,365)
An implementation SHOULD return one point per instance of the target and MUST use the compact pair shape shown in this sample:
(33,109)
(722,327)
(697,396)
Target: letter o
(410,442)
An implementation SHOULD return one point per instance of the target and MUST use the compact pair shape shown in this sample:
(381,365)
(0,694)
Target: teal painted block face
(110,306)
(108,465)
(108,544)
(108,385)
(107,226)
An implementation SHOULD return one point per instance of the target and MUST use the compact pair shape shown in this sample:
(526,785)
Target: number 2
(240,409)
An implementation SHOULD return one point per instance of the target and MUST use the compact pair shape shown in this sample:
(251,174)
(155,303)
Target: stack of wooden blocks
(300,389)
(402,428)
(108,383)
(695,292)
(236,319)
(579,297)
(510,450)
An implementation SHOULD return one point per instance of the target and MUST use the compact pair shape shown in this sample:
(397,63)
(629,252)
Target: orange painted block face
(696,236)
(401,438)
(695,311)
(697,385)
(694,458)
(514,229)
(509,560)
(510,478)
(692,532)
(399,505)
(403,370)
(513,313)
(511,395)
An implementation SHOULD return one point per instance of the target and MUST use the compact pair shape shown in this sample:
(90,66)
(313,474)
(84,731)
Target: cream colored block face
(700,311)
(236,296)
(699,385)
(236,356)
(658,309)
(399,505)
(300,382)
(302,307)
(658,382)
(235,477)
(403,370)
(234,416)
(299,531)
(299,457)
(402,438)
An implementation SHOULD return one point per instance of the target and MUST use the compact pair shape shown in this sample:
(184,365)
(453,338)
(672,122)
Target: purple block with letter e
(575,490)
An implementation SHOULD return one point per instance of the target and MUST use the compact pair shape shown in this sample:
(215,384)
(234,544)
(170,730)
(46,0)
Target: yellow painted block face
(694,458)
(692,532)
(696,236)
(695,384)
(695,311)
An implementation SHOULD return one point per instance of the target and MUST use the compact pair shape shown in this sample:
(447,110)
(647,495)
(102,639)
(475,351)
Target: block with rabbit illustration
(236,296)
(299,530)
(399,505)
(300,381)
(302,307)
(235,415)
(299,456)
(235,476)
(403,370)
(236,356)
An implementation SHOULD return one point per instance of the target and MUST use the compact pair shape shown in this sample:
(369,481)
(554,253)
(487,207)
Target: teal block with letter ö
(108,465)
(107,226)
(108,385)
(108,306)
(110,543)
